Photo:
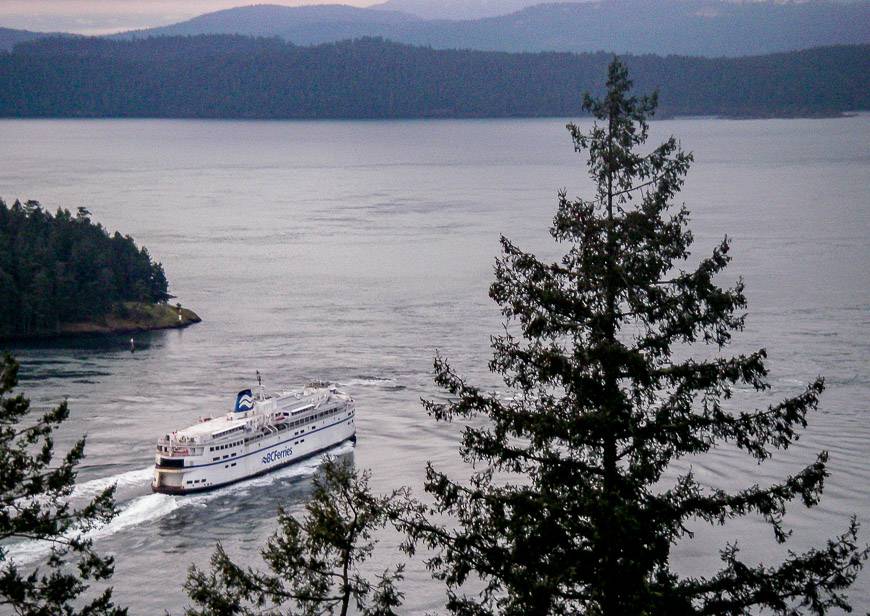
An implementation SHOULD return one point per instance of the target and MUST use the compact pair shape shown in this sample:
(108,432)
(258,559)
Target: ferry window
(233,464)
(215,459)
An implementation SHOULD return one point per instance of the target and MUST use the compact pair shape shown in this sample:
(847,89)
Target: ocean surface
(351,251)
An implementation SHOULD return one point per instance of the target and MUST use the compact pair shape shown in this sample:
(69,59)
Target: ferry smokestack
(244,401)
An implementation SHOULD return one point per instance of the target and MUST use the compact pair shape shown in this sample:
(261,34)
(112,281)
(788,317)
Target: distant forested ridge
(223,76)
(63,268)
(9,38)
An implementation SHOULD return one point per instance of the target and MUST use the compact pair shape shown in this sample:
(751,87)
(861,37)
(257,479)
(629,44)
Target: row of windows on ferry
(227,446)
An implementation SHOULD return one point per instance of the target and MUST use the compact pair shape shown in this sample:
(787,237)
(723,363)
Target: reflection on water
(351,251)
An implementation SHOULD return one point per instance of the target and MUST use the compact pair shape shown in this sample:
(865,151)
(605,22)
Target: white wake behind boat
(261,434)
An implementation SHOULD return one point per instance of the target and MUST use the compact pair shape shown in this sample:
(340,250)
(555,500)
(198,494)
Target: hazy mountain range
(683,27)
(460,9)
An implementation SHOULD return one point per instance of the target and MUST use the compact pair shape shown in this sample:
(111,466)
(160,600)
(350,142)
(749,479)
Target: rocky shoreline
(129,318)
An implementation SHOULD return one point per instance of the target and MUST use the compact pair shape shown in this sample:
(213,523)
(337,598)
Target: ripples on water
(351,251)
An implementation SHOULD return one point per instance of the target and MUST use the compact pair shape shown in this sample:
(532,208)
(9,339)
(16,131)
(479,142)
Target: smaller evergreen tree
(314,565)
(35,486)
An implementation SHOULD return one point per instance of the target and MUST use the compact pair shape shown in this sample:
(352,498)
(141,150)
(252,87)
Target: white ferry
(260,435)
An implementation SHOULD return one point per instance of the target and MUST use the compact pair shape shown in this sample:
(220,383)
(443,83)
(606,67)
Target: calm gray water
(350,251)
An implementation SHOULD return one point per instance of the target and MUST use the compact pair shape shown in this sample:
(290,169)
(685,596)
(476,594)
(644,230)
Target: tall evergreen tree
(619,369)
(35,486)
(315,566)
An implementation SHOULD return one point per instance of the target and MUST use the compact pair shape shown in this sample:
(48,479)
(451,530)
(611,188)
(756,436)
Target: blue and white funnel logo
(244,401)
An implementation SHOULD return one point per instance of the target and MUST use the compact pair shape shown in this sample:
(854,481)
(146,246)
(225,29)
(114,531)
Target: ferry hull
(182,490)
(266,456)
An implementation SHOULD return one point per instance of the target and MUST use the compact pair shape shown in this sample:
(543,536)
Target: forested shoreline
(63,273)
(223,76)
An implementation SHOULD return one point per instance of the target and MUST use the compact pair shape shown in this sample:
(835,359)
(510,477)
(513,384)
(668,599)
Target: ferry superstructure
(261,434)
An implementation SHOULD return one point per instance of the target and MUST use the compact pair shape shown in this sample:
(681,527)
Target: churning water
(350,251)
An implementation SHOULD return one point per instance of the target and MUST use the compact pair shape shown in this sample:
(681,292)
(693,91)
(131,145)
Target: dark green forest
(63,268)
(220,76)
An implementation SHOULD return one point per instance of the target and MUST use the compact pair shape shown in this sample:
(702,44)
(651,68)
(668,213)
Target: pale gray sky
(103,16)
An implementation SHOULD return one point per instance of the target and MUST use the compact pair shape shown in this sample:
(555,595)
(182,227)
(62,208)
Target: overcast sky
(102,16)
